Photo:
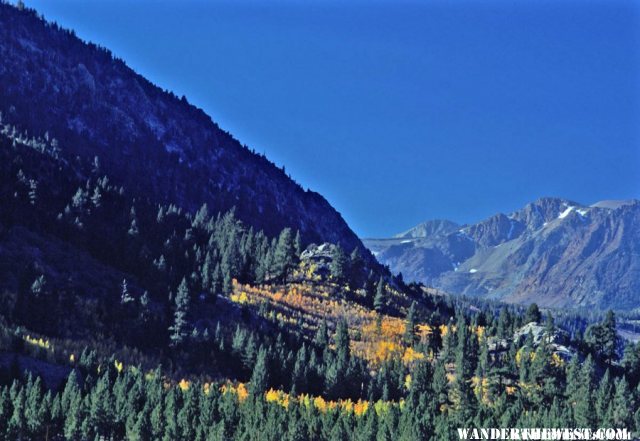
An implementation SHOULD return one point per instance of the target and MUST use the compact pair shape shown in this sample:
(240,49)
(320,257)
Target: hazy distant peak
(613,204)
(429,228)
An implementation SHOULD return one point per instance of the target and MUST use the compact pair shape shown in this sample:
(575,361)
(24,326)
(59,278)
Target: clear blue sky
(398,112)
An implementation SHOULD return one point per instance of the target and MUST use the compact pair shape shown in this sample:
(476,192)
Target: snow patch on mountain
(566,212)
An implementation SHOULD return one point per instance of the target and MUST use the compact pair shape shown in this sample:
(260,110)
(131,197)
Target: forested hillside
(148,322)
(159,146)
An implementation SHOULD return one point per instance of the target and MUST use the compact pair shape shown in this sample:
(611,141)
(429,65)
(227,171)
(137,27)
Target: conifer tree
(603,400)
(284,256)
(410,325)
(321,338)
(584,411)
(464,393)
(125,296)
(179,331)
(439,385)
(533,314)
(297,244)
(260,375)
(504,325)
(356,269)
(610,337)
(338,265)
(622,404)
(380,300)
(17,426)
(39,285)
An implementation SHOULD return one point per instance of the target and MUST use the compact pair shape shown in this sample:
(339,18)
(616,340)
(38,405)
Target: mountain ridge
(91,101)
(553,251)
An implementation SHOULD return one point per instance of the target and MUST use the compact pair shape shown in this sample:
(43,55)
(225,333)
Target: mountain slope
(553,251)
(158,146)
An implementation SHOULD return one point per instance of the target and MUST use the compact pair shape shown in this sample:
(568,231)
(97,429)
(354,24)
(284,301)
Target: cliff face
(553,251)
(157,145)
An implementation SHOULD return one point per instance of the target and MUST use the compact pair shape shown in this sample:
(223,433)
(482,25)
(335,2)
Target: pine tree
(187,415)
(342,340)
(125,296)
(602,338)
(5,410)
(549,328)
(201,218)
(207,271)
(297,244)
(464,394)
(622,404)
(39,285)
(179,329)
(482,369)
(284,256)
(74,419)
(380,300)
(609,337)
(504,324)
(602,400)
(338,265)
(300,371)
(33,191)
(321,338)
(133,228)
(584,411)
(410,325)
(96,197)
(101,407)
(141,429)
(260,375)
(171,432)
(533,314)
(439,385)
(631,363)
(156,421)
(17,426)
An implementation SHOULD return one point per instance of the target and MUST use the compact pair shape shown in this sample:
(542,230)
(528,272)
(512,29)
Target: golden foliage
(407,381)
(184,384)
(532,355)
(357,408)
(278,397)
(450,377)
(239,390)
(385,350)
(410,355)
(374,337)
(556,360)
(240,298)
(39,342)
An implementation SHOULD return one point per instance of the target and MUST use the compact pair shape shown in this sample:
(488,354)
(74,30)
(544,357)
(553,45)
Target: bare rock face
(554,252)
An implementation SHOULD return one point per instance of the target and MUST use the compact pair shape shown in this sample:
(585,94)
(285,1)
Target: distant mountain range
(554,252)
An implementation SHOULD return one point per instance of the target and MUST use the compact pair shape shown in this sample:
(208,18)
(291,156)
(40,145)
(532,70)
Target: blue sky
(398,112)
